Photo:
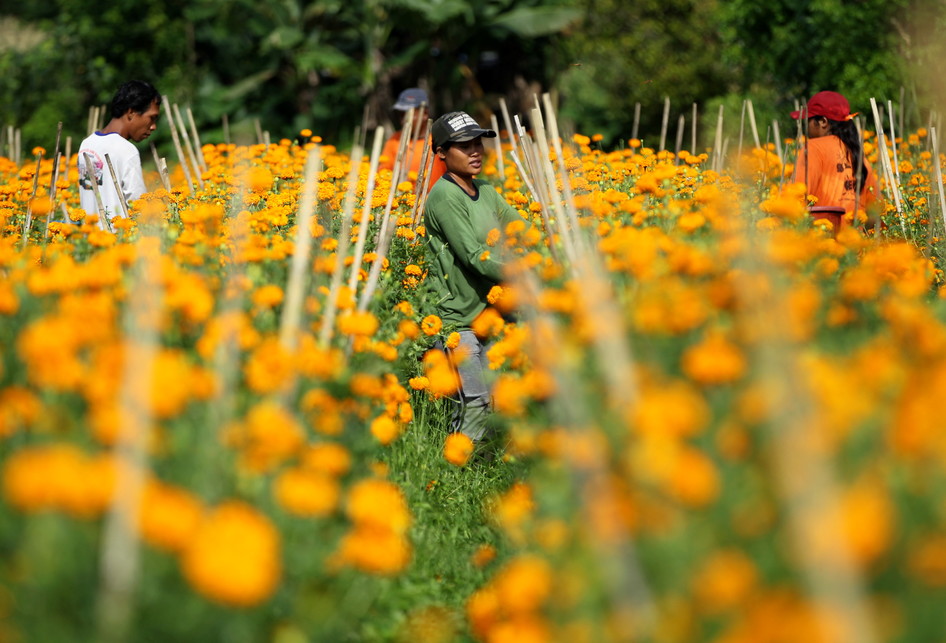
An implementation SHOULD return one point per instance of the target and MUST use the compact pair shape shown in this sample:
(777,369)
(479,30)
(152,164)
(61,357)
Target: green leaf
(283,38)
(533,22)
(437,12)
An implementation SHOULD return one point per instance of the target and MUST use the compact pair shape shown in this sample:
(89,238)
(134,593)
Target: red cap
(831,105)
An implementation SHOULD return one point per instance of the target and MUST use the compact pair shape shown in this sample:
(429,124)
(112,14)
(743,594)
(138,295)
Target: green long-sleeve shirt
(457,228)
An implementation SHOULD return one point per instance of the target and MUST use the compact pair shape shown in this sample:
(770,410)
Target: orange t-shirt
(830,175)
(413,155)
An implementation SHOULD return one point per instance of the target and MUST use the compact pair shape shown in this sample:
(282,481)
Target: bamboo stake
(199,150)
(718,144)
(341,250)
(187,145)
(528,177)
(68,156)
(571,213)
(428,158)
(90,120)
(90,173)
(938,173)
(752,125)
(693,149)
(10,140)
(259,131)
(553,197)
(664,122)
(401,160)
(177,143)
(28,220)
(18,146)
(118,186)
(366,208)
(508,123)
(55,177)
(498,148)
(742,124)
(296,286)
(162,170)
(777,135)
(637,120)
(893,139)
(885,159)
(103,117)
(681,125)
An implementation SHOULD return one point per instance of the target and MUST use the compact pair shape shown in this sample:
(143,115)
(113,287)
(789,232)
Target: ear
(441,153)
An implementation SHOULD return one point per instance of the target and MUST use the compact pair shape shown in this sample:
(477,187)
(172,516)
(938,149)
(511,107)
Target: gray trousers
(473,401)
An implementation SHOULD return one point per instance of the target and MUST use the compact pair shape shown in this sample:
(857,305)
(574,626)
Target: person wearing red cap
(415,98)
(464,219)
(832,162)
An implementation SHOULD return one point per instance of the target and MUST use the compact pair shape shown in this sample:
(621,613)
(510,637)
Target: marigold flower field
(722,421)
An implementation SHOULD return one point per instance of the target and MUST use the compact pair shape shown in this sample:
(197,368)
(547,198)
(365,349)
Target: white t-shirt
(127,164)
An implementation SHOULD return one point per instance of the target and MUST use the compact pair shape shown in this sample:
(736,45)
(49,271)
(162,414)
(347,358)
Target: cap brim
(470,134)
(403,107)
(795,115)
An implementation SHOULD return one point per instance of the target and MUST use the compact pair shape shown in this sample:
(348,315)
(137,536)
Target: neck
(465,182)
(116,126)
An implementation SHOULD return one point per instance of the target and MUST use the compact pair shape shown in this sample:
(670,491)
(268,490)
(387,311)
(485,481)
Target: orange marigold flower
(234,556)
(724,581)
(267,296)
(169,515)
(419,383)
(306,493)
(715,360)
(457,449)
(379,504)
(376,551)
(431,325)
(385,429)
(327,457)
(362,324)
(488,323)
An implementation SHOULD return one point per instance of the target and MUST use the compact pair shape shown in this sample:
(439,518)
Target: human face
(818,126)
(141,124)
(464,159)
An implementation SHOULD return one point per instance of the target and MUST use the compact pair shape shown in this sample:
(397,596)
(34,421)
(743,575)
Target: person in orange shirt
(416,98)
(832,162)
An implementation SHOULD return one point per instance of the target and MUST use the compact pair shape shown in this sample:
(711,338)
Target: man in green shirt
(462,213)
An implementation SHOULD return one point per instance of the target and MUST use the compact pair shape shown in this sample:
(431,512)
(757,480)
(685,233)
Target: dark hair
(136,95)
(847,132)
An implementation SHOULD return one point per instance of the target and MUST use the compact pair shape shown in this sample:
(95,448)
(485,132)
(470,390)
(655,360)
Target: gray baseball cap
(413,97)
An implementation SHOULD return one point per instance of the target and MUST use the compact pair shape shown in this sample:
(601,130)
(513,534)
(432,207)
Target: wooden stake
(637,119)
(162,168)
(341,250)
(665,121)
(366,209)
(938,173)
(742,127)
(893,140)
(885,159)
(118,186)
(177,143)
(55,176)
(498,149)
(752,125)
(259,131)
(199,150)
(90,173)
(778,142)
(187,145)
(508,123)
(693,149)
(718,144)
(298,271)
(681,125)
(428,158)
(28,220)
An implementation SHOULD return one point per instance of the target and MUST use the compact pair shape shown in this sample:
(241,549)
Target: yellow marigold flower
(524,584)
(269,368)
(408,328)
(492,237)
(9,302)
(673,409)
(431,325)
(419,383)
(484,555)
(385,429)
(512,509)
(327,457)
(169,515)
(234,556)
(267,296)
(414,271)
(488,323)
(694,480)
(305,132)
(259,179)
(715,360)
(510,395)
(457,449)
(362,324)
(374,550)
(306,493)
(442,375)
(453,340)
(268,436)
(724,581)
(379,504)
(19,408)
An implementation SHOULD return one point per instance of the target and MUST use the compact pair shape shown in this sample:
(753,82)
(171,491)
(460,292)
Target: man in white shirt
(135,109)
